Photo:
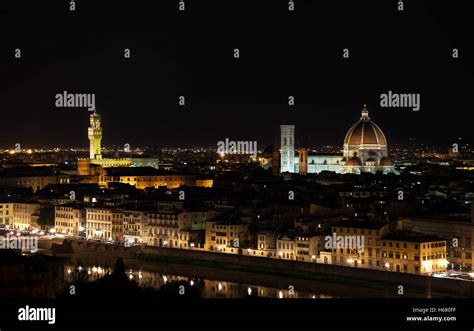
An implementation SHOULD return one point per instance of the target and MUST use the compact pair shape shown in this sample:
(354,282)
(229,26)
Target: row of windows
(434,256)
(162,217)
(302,245)
(458,254)
(60,215)
(98,217)
(362,261)
(369,250)
(397,245)
(162,223)
(105,234)
(132,226)
(222,227)
(99,226)
(143,179)
(285,245)
(163,232)
(357,231)
(433,245)
(64,224)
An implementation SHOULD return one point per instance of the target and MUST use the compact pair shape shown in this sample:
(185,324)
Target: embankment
(249,269)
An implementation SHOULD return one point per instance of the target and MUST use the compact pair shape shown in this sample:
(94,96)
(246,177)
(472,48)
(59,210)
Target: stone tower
(287,143)
(95,136)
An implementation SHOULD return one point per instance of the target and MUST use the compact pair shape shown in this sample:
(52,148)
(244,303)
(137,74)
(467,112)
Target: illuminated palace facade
(364,150)
(94,134)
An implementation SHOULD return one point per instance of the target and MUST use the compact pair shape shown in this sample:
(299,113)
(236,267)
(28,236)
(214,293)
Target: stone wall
(422,283)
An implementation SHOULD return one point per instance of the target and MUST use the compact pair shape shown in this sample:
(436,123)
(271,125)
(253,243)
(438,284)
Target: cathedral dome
(354,162)
(386,162)
(365,132)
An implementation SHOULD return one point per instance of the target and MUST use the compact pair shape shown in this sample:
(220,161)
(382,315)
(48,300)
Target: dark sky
(282,53)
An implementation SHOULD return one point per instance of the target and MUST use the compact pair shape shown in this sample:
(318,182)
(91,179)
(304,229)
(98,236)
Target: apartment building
(412,252)
(6,213)
(286,246)
(118,226)
(99,222)
(25,215)
(459,234)
(165,228)
(266,244)
(226,236)
(70,219)
(357,243)
(133,225)
(308,245)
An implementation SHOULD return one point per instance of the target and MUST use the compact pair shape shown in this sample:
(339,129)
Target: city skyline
(186,162)
(304,140)
(282,54)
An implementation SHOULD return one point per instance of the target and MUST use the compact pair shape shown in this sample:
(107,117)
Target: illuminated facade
(6,213)
(364,150)
(25,215)
(388,250)
(353,255)
(148,177)
(413,253)
(69,219)
(461,233)
(133,226)
(99,223)
(85,166)
(167,228)
(95,136)
(225,237)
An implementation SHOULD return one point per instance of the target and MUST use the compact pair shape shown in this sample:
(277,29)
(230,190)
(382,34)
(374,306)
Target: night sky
(282,53)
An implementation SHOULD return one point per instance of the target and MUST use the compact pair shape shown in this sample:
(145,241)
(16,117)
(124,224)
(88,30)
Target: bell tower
(95,136)
(287,143)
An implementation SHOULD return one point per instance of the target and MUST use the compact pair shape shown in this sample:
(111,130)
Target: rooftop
(411,237)
(137,171)
(360,224)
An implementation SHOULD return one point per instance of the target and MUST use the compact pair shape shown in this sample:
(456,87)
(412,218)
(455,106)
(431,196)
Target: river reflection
(211,288)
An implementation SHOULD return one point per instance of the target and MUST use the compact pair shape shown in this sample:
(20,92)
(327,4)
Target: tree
(46,216)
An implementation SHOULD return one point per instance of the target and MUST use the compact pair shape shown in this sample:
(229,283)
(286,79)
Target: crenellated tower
(95,136)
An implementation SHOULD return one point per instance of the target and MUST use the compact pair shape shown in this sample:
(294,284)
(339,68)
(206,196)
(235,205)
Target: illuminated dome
(354,162)
(386,162)
(365,132)
(365,147)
